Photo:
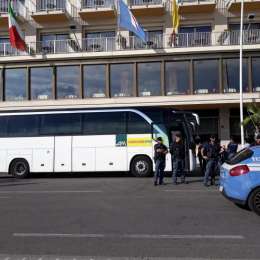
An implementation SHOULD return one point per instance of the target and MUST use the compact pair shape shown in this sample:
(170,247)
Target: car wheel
(141,166)
(19,168)
(254,201)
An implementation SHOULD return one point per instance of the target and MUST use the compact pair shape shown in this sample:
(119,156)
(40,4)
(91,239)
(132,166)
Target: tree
(253,117)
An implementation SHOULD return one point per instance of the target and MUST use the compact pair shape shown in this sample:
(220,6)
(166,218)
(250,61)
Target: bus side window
(23,126)
(3,126)
(137,125)
(104,123)
(60,124)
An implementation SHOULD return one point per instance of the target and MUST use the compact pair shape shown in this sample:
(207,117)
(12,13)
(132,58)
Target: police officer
(160,151)
(177,151)
(231,148)
(211,152)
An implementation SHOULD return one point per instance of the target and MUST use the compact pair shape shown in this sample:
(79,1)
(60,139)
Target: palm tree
(253,117)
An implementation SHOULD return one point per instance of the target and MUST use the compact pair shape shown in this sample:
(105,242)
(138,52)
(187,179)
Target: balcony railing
(145,2)
(110,44)
(95,4)
(50,5)
(18,7)
(195,1)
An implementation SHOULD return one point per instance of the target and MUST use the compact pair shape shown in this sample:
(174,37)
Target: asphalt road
(121,217)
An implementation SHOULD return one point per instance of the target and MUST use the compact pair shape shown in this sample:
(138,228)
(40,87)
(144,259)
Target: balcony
(96,9)
(52,11)
(147,7)
(132,43)
(234,6)
(19,9)
(196,6)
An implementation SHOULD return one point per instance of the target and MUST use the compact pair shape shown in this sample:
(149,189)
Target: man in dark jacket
(211,153)
(160,151)
(177,151)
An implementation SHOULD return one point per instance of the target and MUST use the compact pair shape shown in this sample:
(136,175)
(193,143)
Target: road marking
(51,192)
(132,236)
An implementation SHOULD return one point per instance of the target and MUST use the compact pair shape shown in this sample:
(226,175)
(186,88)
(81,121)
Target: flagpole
(241,74)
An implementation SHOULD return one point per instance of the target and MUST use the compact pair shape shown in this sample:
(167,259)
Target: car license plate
(221,188)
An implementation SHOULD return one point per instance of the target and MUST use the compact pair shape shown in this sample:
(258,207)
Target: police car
(240,178)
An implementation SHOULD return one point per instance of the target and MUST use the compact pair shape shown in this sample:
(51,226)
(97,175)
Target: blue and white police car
(240,178)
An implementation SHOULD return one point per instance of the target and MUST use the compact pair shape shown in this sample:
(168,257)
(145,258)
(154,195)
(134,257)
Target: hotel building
(78,57)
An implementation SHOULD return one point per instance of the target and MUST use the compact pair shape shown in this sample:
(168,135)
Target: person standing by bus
(177,151)
(211,152)
(160,151)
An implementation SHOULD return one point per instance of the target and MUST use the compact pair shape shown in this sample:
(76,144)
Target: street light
(241,74)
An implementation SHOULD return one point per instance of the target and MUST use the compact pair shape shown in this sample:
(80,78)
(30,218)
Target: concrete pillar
(224,131)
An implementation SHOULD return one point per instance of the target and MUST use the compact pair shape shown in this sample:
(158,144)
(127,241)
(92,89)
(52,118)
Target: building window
(44,5)
(121,80)
(99,41)
(149,79)
(256,74)
(68,80)
(15,84)
(54,43)
(177,78)
(206,76)
(194,36)
(95,81)
(41,83)
(231,75)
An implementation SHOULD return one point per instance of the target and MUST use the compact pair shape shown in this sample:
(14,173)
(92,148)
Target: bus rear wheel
(19,168)
(141,166)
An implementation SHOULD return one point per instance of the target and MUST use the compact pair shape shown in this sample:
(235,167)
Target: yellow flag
(175,15)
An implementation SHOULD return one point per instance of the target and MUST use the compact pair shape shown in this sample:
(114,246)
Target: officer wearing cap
(177,151)
(211,152)
(160,151)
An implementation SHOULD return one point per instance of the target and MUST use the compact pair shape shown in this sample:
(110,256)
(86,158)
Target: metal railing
(50,5)
(18,7)
(109,44)
(100,44)
(195,1)
(145,2)
(95,4)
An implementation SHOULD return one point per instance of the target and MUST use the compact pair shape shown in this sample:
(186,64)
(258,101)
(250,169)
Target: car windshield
(240,156)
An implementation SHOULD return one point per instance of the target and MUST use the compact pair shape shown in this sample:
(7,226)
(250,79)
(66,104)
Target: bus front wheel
(19,168)
(141,166)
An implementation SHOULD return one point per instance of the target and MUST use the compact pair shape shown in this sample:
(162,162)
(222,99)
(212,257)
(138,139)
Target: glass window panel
(177,78)
(3,126)
(15,84)
(100,34)
(95,81)
(231,75)
(60,124)
(41,83)
(256,74)
(68,80)
(206,76)
(109,123)
(137,124)
(149,79)
(121,80)
(22,126)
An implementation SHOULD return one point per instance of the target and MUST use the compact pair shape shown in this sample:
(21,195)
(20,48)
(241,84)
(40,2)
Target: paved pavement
(117,217)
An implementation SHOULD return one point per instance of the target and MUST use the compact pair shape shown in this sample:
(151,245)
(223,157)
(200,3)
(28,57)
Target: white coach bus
(85,140)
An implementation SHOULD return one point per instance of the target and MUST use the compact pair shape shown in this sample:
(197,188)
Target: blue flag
(127,20)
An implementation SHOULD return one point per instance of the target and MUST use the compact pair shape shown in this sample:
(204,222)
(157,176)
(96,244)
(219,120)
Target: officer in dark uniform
(177,151)
(211,152)
(160,151)
(231,148)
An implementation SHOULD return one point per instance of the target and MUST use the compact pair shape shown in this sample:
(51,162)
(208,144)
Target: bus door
(62,154)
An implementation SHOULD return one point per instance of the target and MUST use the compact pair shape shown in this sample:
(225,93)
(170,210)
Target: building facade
(77,56)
